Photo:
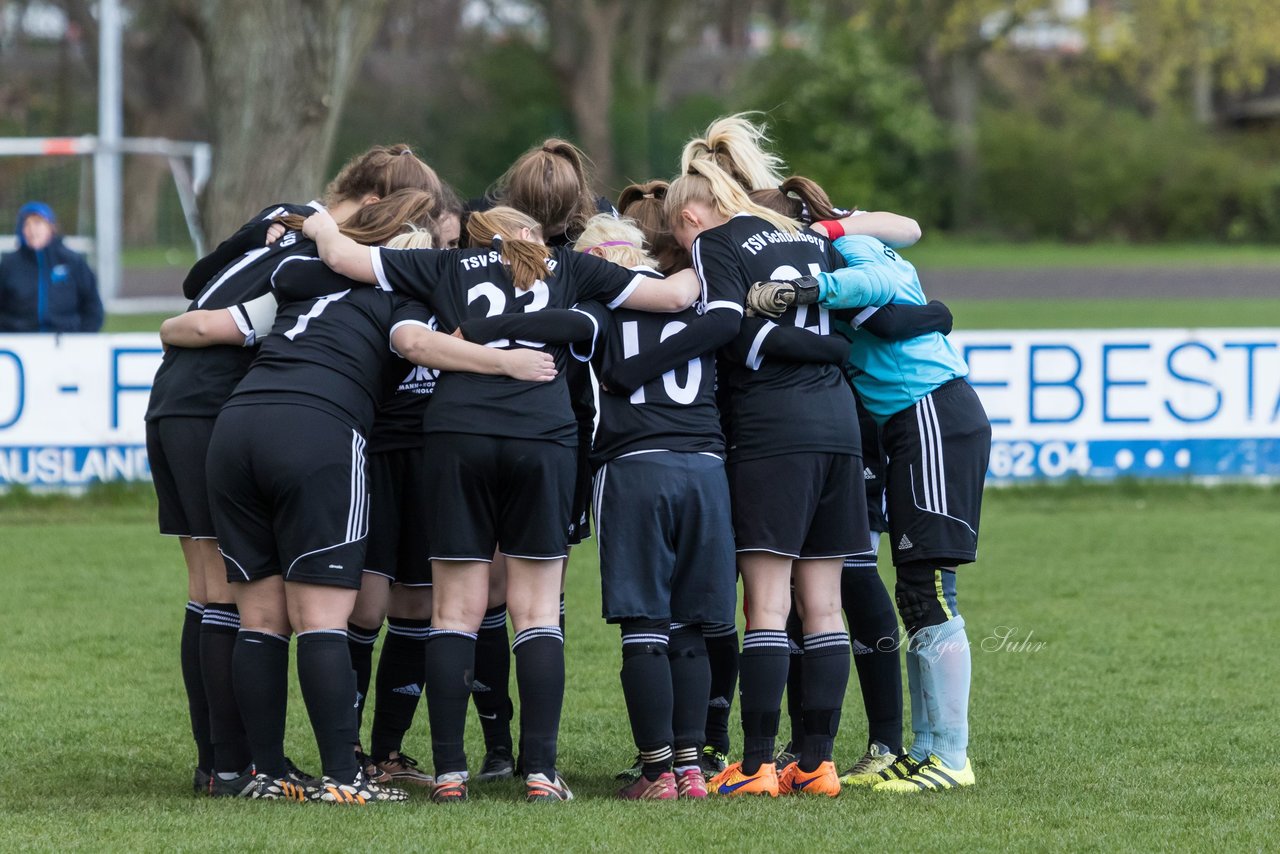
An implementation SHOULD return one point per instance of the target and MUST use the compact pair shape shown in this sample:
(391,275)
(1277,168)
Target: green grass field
(1138,712)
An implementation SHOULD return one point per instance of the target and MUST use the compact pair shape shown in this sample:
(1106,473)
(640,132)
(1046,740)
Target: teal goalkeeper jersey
(889,375)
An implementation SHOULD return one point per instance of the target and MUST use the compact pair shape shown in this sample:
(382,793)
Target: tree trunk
(583,36)
(276,75)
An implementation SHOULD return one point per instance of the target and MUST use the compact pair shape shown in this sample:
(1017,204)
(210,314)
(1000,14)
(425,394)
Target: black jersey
(406,391)
(326,351)
(196,382)
(775,406)
(459,284)
(674,412)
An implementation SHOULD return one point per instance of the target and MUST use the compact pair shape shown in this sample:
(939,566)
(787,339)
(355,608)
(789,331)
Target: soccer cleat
(401,769)
(643,789)
(222,787)
(866,771)
(498,765)
(265,788)
(296,775)
(712,761)
(450,788)
(930,776)
(633,773)
(731,781)
(690,783)
(360,792)
(784,757)
(371,769)
(904,766)
(823,781)
(202,782)
(538,788)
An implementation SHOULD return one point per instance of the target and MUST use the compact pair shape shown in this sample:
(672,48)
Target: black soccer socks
(329,689)
(401,674)
(218,627)
(197,700)
(690,689)
(360,643)
(261,671)
(722,654)
(826,674)
(646,686)
(761,680)
(451,661)
(539,653)
(873,623)
(491,690)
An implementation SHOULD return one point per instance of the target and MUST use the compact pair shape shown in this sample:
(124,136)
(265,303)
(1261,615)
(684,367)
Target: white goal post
(189,163)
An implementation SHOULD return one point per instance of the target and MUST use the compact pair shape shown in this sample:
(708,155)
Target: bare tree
(276,78)
(582,36)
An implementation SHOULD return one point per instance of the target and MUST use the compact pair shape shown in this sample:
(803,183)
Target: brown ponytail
(500,227)
(799,198)
(377,222)
(550,184)
(381,171)
(644,204)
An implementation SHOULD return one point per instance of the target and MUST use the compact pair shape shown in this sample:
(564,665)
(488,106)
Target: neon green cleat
(931,775)
(866,771)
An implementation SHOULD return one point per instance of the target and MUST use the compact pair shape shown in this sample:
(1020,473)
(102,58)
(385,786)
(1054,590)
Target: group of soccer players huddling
(358,422)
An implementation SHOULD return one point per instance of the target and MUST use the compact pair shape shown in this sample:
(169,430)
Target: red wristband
(834,228)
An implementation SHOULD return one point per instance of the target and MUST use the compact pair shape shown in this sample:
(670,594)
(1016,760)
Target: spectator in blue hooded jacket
(44,286)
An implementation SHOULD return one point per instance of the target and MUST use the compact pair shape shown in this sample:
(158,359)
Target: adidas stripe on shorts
(938,450)
(288,493)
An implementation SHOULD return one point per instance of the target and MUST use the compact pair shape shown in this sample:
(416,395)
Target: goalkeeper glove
(770,299)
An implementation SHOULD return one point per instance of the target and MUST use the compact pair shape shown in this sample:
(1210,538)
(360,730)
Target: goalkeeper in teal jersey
(938,440)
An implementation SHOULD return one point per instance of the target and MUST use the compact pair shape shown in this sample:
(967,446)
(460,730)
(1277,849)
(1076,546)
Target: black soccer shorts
(398,546)
(288,492)
(176,449)
(806,505)
(580,517)
(938,450)
(497,493)
(666,538)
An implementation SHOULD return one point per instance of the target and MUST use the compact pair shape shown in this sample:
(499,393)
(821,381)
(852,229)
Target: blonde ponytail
(500,227)
(705,182)
(737,146)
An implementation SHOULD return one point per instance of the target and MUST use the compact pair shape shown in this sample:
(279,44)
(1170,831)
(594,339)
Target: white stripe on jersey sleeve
(249,258)
(628,290)
(595,336)
(754,359)
(391,334)
(241,318)
(378,272)
(861,317)
(726,304)
(261,314)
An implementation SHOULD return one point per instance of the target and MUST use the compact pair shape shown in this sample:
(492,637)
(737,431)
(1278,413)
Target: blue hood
(38,209)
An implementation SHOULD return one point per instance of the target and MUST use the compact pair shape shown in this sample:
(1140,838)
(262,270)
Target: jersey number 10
(682,394)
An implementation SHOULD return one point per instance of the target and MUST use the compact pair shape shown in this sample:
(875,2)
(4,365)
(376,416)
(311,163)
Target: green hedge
(1092,170)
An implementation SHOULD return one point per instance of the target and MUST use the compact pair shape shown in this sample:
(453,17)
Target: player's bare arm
(443,352)
(342,254)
